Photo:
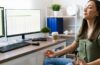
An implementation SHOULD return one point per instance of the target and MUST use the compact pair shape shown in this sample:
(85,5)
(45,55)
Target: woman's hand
(80,62)
(49,53)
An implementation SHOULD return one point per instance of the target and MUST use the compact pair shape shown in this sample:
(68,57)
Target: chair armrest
(72,56)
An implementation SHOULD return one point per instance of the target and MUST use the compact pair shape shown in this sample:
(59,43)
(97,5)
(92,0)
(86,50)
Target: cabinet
(69,41)
(55,24)
(29,59)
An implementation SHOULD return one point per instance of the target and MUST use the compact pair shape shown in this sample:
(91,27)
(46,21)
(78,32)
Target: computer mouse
(35,43)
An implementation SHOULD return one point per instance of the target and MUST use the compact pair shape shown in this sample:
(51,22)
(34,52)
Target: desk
(30,55)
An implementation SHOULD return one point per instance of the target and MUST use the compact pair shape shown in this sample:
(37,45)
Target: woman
(88,40)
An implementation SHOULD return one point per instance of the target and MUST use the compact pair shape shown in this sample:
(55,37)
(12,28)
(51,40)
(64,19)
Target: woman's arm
(96,62)
(82,62)
(67,49)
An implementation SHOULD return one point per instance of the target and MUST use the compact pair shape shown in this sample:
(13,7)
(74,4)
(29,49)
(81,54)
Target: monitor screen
(22,21)
(1,21)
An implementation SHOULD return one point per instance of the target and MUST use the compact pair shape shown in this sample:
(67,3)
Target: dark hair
(97,3)
(96,29)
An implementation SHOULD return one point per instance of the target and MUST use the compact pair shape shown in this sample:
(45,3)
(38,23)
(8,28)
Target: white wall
(70,2)
(42,5)
(16,4)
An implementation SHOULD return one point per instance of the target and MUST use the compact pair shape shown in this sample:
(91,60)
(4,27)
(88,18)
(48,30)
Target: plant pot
(56,13)
(46,35)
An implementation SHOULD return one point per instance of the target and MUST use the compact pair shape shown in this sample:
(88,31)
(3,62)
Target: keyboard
(39,39)
(13,46)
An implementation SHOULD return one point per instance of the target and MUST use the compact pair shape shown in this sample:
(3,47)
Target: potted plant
(56,8)
(45,30)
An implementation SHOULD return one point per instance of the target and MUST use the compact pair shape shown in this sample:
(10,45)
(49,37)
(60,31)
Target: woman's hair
(96,28)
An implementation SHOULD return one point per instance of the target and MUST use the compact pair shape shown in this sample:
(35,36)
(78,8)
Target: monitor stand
(23,37)
(24,40)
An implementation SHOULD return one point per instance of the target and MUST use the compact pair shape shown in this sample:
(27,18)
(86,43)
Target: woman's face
(90,10)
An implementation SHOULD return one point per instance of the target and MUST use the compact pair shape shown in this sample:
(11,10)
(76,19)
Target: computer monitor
(22,21)
(1,22)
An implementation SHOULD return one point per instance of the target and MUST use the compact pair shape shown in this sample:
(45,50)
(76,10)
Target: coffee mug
(55,35)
